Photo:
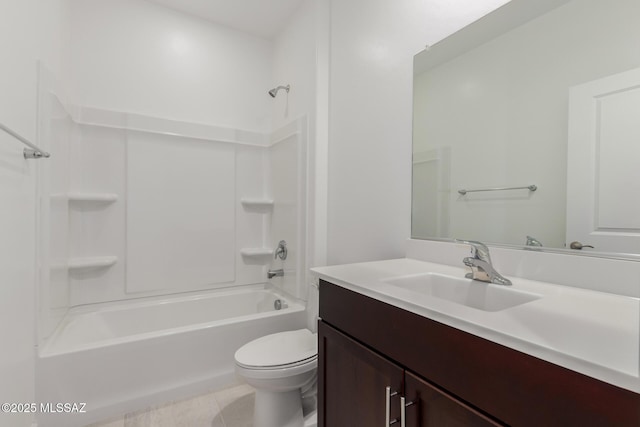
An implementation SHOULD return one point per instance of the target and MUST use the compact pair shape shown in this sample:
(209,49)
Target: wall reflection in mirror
(552,102)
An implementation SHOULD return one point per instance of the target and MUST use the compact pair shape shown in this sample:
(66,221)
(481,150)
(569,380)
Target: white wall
(30,30)
(293,64)
(55,129)
(301,60)
(287,173)
(139,57)
(294,60)
(372,48)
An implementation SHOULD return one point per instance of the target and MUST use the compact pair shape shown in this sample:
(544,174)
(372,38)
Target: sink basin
(471,293)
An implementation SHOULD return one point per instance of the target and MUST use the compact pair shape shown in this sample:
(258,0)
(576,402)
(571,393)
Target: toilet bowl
(280,367)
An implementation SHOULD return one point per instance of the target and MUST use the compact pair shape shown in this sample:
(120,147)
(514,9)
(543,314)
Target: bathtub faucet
(275,273)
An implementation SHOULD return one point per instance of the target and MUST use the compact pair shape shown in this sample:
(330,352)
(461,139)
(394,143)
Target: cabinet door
(352,382)
(433,408)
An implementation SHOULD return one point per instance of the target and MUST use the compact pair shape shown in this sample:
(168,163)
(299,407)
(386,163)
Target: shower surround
(139,214)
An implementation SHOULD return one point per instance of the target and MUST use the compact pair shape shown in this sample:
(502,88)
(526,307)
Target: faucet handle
(281,251)
(478,249)
(532,241)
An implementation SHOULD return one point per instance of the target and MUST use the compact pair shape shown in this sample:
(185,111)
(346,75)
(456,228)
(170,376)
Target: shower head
(273,92)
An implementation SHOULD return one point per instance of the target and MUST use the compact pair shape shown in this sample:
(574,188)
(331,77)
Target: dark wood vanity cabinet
(450,378)
(354,382)
(430,406)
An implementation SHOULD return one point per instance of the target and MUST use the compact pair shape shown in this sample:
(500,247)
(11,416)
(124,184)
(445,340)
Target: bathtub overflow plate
(280,304)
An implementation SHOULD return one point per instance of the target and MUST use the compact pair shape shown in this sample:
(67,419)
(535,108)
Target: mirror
(527,123)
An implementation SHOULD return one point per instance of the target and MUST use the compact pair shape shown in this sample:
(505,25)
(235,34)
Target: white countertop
(594,333)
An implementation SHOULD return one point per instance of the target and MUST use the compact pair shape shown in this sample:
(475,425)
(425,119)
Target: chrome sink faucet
(480,263)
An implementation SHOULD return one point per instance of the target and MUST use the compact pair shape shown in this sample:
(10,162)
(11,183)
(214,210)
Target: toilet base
(278,409)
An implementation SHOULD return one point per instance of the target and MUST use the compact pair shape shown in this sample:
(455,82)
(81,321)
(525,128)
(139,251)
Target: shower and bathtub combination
(157,236)
(127,356)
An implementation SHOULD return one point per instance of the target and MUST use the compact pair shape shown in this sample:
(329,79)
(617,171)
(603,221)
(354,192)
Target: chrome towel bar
(528,187)
(33,152)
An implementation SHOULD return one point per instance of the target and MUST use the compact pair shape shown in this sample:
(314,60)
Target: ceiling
(262,18)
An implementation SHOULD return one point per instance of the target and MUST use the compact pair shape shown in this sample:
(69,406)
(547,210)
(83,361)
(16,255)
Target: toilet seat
(280,367)
(279,351)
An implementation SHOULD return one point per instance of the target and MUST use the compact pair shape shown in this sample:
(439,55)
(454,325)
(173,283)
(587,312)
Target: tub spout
(275,273)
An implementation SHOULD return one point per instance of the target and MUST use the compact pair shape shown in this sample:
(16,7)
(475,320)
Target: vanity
(525,132)
(395,350)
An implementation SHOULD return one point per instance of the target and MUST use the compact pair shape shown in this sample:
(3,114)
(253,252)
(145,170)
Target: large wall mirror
(526,129)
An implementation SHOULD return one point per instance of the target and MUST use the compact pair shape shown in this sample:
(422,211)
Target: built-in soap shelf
(92,197)
(257,205)
(256,252)
(77,196)
(257,255)
(84,263)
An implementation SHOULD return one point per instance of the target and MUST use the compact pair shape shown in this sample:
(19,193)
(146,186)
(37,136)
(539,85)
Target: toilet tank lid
(283,348)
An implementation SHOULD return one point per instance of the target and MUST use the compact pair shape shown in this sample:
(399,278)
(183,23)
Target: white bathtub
(123,357)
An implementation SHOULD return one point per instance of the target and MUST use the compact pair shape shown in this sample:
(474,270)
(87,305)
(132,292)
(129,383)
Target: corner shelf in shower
(257,205)
(84,263)
(85,197)
(92,197)
(257,254)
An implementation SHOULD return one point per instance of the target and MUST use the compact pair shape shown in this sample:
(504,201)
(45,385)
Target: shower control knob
(281,250)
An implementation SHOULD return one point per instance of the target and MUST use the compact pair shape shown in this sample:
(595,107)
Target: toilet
(282,367)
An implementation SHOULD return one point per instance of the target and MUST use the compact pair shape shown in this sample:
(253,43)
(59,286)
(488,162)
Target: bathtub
(122,357)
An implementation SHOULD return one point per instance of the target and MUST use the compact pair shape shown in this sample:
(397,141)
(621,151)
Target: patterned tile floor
(232,407)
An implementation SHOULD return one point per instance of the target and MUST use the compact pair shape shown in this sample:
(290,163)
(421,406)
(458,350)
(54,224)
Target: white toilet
(282,368)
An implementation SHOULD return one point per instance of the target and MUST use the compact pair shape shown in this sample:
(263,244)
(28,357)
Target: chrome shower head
(273,92)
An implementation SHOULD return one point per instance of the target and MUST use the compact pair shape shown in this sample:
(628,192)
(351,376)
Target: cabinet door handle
(387,402)
(403,411)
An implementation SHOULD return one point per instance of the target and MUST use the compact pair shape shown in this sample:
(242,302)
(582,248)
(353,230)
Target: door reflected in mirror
(550,100)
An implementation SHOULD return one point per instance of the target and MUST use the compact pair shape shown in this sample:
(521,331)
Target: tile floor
(232,407)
